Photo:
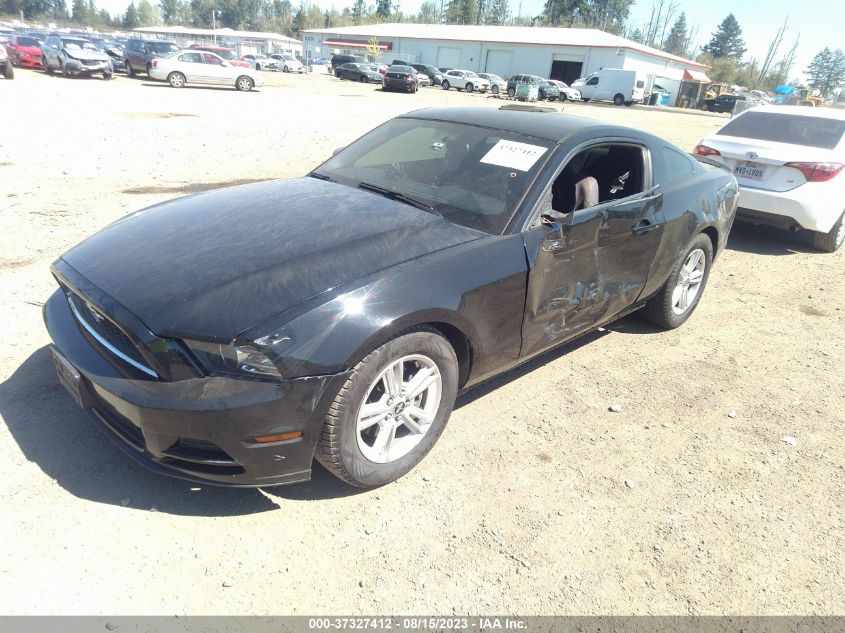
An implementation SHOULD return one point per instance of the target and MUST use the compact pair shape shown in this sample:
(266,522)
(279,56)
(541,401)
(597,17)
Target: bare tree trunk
(774,47)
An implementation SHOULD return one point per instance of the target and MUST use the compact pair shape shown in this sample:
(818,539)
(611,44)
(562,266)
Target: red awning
(695,75)
(342,44)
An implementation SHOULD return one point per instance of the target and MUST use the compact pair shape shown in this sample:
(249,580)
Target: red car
(25,51)
(226,53)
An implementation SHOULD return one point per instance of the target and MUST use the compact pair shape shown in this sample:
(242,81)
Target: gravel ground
(523,505)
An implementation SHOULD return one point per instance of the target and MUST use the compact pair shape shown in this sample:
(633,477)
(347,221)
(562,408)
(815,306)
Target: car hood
(29,50)
(82,54)
(211,265)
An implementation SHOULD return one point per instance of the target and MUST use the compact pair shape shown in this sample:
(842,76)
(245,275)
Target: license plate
(71,379)
(750,170)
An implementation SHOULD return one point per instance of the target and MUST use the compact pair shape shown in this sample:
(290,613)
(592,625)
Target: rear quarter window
(794,129)
(678,166)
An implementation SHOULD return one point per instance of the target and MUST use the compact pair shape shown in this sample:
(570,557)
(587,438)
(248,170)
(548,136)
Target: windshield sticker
(521,156)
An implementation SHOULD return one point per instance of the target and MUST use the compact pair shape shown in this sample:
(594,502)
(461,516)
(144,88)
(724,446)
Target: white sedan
(788,161)
(566,92)
(201,67)
(289,63)
(464,80)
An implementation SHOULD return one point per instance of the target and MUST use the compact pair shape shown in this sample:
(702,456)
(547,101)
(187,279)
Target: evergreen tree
(79,12)
(359,11)
(499,12)
(676,42)
(383,8)
(636,36)
(130,18)
(146,13)
(428,13)
(727,40)
(169,11)
(827,71)
(461,12)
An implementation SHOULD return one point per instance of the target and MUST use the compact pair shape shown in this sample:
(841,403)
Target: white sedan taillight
(817,172)
(703,150)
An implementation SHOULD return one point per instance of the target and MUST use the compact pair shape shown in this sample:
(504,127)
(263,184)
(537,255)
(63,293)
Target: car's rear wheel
(244,83)
(618,99)
(677,299)
(392,409)
(445,85)
(831,241)
(177,80)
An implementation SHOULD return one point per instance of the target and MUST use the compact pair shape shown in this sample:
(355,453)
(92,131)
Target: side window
(192,58)
(212,59)
(593,82)
(678,167)
(599,174)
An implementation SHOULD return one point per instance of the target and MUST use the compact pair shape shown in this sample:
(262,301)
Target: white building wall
(524,58)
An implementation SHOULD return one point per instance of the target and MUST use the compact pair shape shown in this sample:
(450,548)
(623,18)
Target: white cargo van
(612,84)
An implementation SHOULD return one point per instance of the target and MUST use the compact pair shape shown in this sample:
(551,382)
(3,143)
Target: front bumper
(88,68)
(814,206)
(200,429)
(29,61)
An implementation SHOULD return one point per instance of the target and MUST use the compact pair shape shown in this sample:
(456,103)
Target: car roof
(551,126)
(800,110)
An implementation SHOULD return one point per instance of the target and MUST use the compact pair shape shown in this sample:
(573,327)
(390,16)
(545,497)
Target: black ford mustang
(232,336)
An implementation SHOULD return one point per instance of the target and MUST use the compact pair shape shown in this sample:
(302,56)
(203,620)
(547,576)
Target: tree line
(667,29)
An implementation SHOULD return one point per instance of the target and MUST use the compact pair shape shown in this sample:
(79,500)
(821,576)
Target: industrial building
(244,42)
(555,53)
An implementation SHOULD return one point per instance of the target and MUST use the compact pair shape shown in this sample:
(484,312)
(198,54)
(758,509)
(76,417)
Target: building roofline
(635,47)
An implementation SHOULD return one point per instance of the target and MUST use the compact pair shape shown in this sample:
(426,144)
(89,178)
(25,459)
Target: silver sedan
(201,67)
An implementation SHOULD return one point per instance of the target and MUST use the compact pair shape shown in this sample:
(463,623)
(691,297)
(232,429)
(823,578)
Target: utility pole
(214,24)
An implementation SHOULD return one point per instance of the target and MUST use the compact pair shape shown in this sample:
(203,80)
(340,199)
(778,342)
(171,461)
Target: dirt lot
(522,506)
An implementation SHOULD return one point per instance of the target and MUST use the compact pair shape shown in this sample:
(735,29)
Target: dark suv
(433,73)
(139,54)
(340,60)
(723,103)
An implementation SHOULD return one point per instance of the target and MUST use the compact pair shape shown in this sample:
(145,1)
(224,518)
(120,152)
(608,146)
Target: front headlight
(244,360)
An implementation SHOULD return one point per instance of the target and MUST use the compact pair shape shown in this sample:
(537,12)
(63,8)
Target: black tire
(831,241)
(494,90)
(629,103)
(176,80)
(659,310)
(585,99)
(445,85)
(363,79)
(107,76)
(244,83)
(130,72)
(563,97)
(47,67)
(511,92)
(338,448)
(469,87)
(618,99)
(8,71)
(258,67)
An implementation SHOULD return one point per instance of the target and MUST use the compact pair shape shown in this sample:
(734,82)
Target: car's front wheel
(177,80)
(677,299)
(130,72)
(392,409)
(445,85)
(831,241)
(511,92)
(495,90)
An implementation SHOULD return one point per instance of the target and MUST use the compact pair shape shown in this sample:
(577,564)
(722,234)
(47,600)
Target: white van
(612,84)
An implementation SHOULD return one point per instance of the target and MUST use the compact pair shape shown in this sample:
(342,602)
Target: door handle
(644,226)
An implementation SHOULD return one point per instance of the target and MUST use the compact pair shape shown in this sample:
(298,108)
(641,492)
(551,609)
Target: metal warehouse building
(555,53)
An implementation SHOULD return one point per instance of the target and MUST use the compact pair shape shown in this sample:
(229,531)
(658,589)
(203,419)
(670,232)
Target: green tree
(383,8)
(359,11)
(499,12)
(461,12)
(79,12)
(429,12)
(146,13)
(130,18)
(676,41)
(826,71)
(727,40)
(169,11)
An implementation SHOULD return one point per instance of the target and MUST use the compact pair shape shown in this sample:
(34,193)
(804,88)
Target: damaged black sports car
(233,336)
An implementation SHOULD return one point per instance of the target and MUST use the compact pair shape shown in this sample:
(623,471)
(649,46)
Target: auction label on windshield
(513,155)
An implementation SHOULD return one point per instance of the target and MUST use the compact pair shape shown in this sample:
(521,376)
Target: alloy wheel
(399,408)
(689,281)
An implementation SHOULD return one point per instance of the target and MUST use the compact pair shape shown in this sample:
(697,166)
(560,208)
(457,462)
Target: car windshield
(794,129)
(469,73)
(79,44)
(470,175)
(28,41)
(162,48)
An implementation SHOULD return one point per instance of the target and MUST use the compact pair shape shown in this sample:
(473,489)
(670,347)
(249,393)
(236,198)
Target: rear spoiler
(709,161)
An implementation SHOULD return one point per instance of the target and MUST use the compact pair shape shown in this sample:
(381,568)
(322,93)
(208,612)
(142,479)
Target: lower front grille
(127,431)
